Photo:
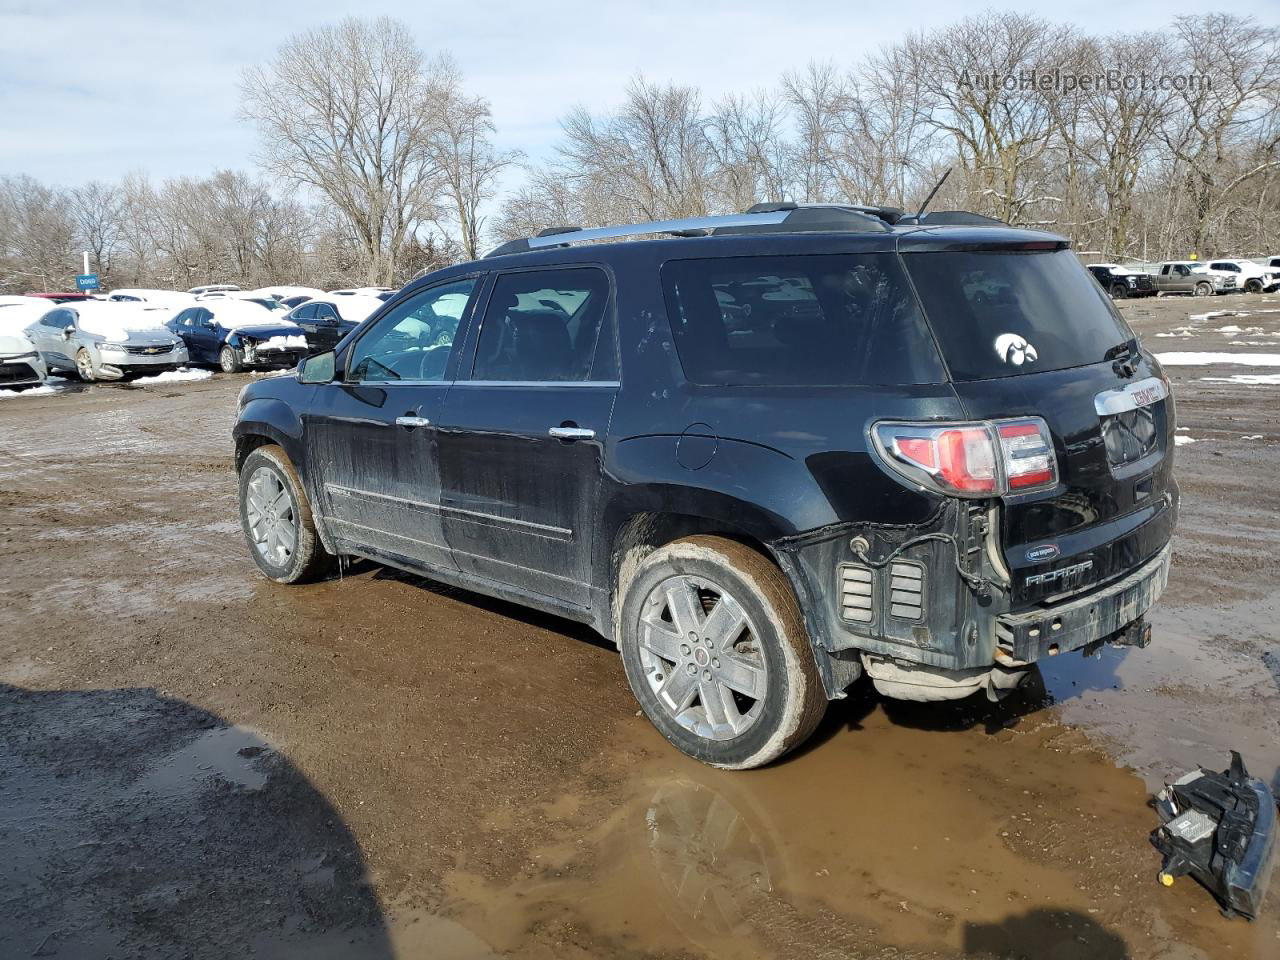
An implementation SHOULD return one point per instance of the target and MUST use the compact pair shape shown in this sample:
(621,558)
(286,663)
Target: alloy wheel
(272,517)
(701,659)
(84,365)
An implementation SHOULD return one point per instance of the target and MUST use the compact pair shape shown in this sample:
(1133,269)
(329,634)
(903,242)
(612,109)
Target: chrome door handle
(572,433)
(412,422)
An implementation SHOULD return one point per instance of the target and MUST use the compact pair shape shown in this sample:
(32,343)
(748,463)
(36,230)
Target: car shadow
(504,608)
(133,824)
(1060,934)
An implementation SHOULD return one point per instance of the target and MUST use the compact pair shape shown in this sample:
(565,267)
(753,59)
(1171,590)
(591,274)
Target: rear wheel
(84,366)
(1203,289)
(277,521)
(716,652)
(229,359)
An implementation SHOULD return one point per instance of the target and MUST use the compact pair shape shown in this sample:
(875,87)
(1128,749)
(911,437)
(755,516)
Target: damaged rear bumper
(1099,615)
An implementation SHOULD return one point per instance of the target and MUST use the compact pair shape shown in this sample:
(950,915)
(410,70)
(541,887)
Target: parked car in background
(213,288)
(382,293)
(236,334)
(1249,276)
(328,318)
(287,294)
(1272,262)
(169,299)
(1189,276)
(20,362)
(62,297)
(96,340)
(1120,282)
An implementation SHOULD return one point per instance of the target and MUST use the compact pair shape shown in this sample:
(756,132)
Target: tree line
(376,163)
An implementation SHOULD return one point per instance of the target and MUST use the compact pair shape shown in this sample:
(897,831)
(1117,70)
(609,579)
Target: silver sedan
(106,341)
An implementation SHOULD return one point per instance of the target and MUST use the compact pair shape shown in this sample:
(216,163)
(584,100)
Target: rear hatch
(1025,331)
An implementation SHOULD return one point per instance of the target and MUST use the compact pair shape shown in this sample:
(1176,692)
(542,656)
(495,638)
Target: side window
(58,319)
(544,326)
(407,344)
(183,318)
(305,312)
(799,320)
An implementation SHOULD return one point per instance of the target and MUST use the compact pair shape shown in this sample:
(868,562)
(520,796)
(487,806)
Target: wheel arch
(629,535)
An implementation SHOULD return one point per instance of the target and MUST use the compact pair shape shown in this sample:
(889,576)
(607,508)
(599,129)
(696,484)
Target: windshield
(1010,312)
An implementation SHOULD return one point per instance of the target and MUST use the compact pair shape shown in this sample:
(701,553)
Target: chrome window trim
(537,383)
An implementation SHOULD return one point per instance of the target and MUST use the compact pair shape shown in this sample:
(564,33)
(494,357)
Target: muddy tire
(1203,289)
(716,653)
(1118,291)
(229,359)
(276,518)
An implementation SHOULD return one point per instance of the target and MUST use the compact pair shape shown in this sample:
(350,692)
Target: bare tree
(1215,122)
(464,155)
(345,110)
(96,207)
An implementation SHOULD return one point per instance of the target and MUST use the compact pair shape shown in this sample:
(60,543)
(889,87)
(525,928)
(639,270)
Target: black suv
(762,453)
(1120,284)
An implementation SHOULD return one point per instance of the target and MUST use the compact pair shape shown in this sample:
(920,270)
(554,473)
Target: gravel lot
(195,762)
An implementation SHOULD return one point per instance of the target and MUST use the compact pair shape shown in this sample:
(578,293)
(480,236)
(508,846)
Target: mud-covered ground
(197,763)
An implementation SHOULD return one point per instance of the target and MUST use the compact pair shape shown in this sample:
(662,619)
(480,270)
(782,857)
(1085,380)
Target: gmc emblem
(1063,577)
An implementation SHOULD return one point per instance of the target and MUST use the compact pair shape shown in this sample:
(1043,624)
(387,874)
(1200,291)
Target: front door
(371,437)
(521,439)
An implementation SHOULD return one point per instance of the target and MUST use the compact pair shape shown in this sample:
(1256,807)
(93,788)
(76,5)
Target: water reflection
(710,856)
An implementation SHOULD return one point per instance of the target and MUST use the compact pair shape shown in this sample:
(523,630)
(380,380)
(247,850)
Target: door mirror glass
(317,369)
(68,332)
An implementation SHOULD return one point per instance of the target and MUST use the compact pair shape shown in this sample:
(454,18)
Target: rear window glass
(1003,313)
(798,320)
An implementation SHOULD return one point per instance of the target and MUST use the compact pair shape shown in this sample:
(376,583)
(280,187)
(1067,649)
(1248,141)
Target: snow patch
(41,391)
(175,376)
(284,343)
(1183,441)
(1248,379)
(1194,359)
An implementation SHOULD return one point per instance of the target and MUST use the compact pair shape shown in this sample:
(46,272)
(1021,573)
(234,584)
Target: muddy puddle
(940,832)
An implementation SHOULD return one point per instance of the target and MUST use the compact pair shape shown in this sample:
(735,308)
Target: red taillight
(1027,453)
(966,463)
(971,459)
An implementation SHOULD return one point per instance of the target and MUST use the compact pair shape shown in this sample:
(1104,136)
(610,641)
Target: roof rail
(564,236)
(781,218)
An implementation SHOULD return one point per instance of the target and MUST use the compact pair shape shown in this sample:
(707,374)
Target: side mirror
(68,332)
(317,369)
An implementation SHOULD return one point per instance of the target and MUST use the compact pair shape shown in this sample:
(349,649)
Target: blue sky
(93,90)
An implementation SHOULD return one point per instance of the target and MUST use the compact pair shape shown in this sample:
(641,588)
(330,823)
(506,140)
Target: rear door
(1027,333)
(371,437)
(521,438)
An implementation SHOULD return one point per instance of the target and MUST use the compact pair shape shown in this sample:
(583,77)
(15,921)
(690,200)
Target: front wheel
(84,366)
(1119,291)
(229,360)
(1253,286)
(716,652)
(1203,289)
(277,521)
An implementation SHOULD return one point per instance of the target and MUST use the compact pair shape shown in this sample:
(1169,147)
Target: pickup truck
(1121,283)
(1189,276)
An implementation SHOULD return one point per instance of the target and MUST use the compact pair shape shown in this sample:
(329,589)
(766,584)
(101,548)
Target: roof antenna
(936,187)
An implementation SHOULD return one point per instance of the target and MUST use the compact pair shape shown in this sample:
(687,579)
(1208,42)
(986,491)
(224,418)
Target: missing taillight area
(978,459)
